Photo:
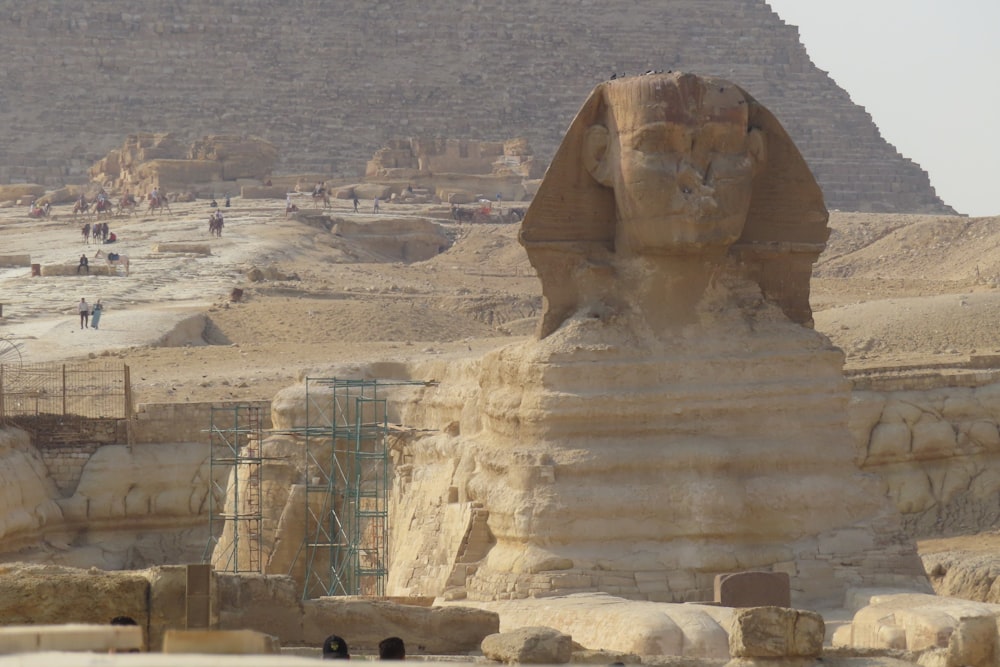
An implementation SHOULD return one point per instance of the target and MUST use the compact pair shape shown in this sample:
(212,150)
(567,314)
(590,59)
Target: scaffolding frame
(235,440)
(346,542)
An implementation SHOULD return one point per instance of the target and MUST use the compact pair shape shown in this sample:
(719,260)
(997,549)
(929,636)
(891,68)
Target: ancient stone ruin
(654,434)
(458,171)
(147,160)
(676,417)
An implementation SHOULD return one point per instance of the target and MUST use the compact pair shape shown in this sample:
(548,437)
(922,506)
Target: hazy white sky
(926,70)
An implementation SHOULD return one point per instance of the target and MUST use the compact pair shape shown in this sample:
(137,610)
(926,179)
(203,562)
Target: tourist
(84,264)
(391,648)
(123,620)
(357,202)
(95,314)
(375,207)
(335,648)
(84,309)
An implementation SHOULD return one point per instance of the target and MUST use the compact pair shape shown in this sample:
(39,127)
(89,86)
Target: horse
(158,203)
(86,233)
(104,207)
(127,206)
(215,224)
(81,206)
(95,232)
(322,195)
(114,259)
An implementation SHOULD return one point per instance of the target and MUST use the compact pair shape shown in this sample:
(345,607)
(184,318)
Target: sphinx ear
(595,154)
(757,146)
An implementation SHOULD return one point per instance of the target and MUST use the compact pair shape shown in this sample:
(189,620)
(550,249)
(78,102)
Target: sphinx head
(673,166)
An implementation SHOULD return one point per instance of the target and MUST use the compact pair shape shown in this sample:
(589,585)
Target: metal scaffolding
(345,548)
(235,514)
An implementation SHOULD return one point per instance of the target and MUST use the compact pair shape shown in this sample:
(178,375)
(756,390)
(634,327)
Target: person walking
(84,309)
(95,314)
(375,207)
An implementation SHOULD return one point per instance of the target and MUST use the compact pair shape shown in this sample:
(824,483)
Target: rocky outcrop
(147,161)
(937,450)
(953,632)
(536,645)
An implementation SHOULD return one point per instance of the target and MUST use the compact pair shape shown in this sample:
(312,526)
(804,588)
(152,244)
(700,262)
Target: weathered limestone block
(239,157)
(913,622)
(214,642)
(27,493)
(175,175)
(70,637)
(535,645)
(763,589)
(434,630)
(15,260)
(46,594)
(627,626)
(972,643)
(776,632)
(96,269)
(269,604)
(193,248)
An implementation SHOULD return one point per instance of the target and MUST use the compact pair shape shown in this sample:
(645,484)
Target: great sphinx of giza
(676,416)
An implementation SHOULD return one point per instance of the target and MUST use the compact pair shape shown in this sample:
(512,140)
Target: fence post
(64,389)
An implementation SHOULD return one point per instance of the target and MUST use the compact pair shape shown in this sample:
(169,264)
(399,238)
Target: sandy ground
(890,290)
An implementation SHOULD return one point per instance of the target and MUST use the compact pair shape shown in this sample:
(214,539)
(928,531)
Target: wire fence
(89,390)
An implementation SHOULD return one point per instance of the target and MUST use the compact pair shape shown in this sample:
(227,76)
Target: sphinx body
(676,417)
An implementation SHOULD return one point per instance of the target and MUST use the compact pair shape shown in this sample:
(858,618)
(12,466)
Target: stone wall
(183,422)
(328,87)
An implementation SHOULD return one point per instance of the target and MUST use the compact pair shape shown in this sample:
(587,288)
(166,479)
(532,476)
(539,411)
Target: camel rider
(155,195)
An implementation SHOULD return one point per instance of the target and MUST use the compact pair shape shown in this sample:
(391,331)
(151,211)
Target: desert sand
(891,290)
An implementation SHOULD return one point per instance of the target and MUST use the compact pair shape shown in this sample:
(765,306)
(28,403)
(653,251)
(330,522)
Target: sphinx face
(681,161)
(675,192)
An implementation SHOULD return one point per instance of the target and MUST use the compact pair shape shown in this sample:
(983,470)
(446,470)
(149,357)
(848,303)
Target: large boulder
(776,632)
(530,646)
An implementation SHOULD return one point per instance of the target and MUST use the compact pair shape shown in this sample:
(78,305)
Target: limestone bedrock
(676,416)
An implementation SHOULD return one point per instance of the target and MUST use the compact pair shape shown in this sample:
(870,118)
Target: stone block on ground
(776,632)
(231,642)
(531,645)
(71,637)
(753,589)
(366,622)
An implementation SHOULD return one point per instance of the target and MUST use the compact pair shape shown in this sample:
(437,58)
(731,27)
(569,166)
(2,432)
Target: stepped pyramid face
(330,84)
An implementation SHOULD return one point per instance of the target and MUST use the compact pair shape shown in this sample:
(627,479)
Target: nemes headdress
(572,219)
